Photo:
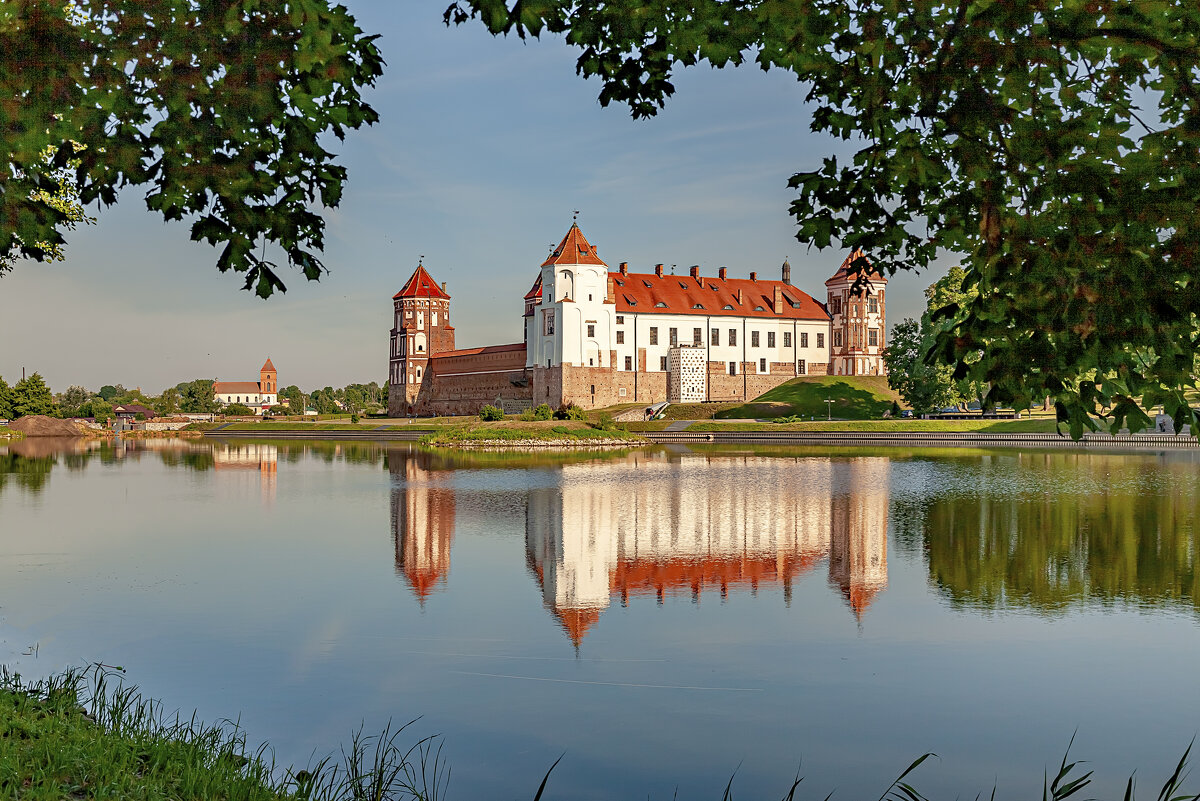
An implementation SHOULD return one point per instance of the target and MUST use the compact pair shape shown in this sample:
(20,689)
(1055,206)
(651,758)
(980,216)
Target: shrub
(490,412)
(354,417)
(238,409)
(569,411)
(542,412)
(605,422)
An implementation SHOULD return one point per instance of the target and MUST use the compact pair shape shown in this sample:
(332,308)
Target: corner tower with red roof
(421,329)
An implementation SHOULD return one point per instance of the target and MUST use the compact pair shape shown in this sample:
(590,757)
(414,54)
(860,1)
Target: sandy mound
(39,425)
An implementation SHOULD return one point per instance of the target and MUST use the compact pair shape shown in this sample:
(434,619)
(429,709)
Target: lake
(662,618)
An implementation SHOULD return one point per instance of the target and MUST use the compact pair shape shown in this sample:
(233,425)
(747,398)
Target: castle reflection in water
(666,524)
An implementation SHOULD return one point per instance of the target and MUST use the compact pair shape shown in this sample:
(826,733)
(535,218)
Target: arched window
(567,281)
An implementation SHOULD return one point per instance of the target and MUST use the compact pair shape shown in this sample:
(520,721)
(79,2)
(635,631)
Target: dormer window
(660,305)
(697,306)
(759,308)
(618,282)
(727,307)
(647,283)
(682,285)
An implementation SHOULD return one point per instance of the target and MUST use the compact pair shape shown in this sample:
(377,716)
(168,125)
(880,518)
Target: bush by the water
(569,411)
(490,412)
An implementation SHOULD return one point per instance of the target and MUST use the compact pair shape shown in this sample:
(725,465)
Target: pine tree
(6,409)
(32,396)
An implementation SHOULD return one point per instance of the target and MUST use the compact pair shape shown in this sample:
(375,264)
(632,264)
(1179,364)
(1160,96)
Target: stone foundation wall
(465,383)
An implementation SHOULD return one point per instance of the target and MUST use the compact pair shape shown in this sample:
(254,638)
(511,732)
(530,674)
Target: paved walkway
(679,425)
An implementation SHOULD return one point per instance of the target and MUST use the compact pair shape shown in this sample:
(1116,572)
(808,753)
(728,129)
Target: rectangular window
(697,336)
(548,322)
(674,332)
(873,337)
(835,306)
(433,320)
(820,340)
(732,336)
(837,339)
(762,365)
(662,363)
(754,339)
(620,319)
(591,329)
(714,337)
(804,339)
(653,335)
(873,305)
(628,363)
(801,367)
(733,368)
(787,339)
(620,337)
(770,339)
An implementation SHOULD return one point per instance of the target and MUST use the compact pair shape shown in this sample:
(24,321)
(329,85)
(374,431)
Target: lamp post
(829,408)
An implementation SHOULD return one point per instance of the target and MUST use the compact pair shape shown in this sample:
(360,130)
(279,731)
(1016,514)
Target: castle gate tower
(857,328)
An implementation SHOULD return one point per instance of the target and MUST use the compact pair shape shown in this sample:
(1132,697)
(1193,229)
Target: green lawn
(854,398)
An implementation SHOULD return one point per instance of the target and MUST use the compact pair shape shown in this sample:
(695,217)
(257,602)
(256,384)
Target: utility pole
(829,408)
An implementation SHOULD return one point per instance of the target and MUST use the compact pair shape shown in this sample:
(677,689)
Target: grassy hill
(854,398)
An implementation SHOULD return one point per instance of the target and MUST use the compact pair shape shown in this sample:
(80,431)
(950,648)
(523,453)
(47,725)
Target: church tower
(857,329)
(421,329)
(268,379)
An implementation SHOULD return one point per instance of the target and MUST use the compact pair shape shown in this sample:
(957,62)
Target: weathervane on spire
(575,215)
(421,260)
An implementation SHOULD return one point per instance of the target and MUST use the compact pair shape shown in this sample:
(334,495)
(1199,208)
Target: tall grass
(82,734)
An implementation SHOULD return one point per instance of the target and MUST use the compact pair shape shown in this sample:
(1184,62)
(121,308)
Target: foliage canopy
(217,108)
(1056,145)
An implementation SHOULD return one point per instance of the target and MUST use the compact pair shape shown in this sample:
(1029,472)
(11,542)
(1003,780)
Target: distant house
(129,412)
(258,395)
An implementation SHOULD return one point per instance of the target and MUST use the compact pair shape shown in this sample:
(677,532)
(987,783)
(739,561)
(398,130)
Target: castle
(597,337)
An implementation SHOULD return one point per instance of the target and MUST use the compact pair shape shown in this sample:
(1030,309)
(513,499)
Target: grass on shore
(548,431)
(854,398)
(1037,426)
(75,737)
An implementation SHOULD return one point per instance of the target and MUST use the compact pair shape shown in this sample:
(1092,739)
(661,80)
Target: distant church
(258,395)
(596,337)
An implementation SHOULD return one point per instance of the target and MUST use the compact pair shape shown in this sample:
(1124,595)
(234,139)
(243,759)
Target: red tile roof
(574,249)
(476,351)
(843,272)
(236,387)
(644,292)
(536,291)
(421,285)
(268,366)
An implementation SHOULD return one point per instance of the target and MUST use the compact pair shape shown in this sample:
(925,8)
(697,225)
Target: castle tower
(857,331)
(268,379)
(421,329)
(573,320)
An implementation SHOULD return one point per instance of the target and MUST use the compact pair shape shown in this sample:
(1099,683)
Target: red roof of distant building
(844,273)
(574,249)
(674,294)
(268,366)
(226,387)
(133,409)
(421,285)
(535,291)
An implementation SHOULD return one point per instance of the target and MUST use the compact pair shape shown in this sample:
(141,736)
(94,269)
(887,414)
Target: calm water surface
(662,618)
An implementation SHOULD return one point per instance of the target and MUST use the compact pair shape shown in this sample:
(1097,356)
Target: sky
(485,148)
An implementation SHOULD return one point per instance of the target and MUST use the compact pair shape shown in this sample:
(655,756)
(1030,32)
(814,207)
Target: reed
(87,734)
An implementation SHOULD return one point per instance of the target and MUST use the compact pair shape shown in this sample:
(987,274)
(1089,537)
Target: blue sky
(484,149)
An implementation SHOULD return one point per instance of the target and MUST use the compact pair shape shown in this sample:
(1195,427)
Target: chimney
(624,268)
(753,276)
(444,286)
(778,299)
(612,287)
(723,273)
(658,270)
(695,271)
(739,296)
(787,273)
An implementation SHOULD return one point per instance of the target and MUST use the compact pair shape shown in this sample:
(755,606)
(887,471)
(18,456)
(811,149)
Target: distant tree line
(32,396)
